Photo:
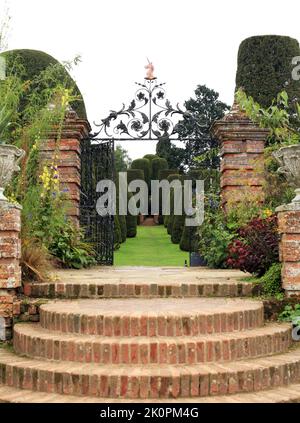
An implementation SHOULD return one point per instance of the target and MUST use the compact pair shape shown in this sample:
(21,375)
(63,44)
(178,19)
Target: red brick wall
(289,230)
(242,160)
(73,131)
(10,270)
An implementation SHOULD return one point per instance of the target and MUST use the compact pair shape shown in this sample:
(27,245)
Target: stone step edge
(145,325)
(150,381)
(140,290)
(288,394)
(36,342)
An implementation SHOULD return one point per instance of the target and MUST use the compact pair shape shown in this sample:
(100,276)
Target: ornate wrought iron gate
(97,163)
(148,117)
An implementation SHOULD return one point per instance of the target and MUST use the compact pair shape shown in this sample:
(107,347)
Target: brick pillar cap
(5,205)
(288,207)
(236,121)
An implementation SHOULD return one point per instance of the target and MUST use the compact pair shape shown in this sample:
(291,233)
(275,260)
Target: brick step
(143,283)
(201,288)
(290,394)
(148,317)
(150,381)
(33,341)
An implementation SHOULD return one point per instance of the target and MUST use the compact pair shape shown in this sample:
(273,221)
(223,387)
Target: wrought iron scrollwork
(148,116)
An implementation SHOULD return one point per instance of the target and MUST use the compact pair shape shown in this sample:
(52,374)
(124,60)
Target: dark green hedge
(177,229)
(265,67)
(175,176)
(34,62)
(211,178)
(123,227)
(131,222)
(185,243)
(117,233)
(157,165)
(170,218)
(144,165)
(164,173)
(133,174)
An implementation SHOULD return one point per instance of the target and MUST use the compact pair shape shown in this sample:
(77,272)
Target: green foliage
(157,165)
(144,165)
(265,67)
(205,108)
(131,221)
(189,239)
(175,177)
(69,248)
(167,150)
(150,157)
(271,280)
(214,238)
(170,219)
(38,67)
(117,233)
(211,178)
(165,173)
(45,227)
(133,174)
(123,228)
(281,125)
(122,159)
(11,90)
(276,117)
(290,314)
(177,229)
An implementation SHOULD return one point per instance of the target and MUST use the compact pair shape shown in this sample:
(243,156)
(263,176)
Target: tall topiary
(170,219)
(265,67)
(144,165)
(188,241)
(117,233)
(131,221)
(158,165)
(123,227)
(33,63)
(177,230)
(134,174)
(165,173)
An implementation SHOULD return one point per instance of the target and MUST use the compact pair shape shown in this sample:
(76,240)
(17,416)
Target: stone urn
(289,160)
(10,156)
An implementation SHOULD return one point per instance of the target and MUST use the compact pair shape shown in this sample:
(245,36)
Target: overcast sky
(190,42)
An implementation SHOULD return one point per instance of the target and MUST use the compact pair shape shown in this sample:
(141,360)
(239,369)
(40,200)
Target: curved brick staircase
(150,335)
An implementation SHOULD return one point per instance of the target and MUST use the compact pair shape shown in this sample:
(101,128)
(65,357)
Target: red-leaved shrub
(256,249)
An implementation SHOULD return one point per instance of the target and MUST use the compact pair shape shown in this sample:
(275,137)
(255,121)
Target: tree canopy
(205,109)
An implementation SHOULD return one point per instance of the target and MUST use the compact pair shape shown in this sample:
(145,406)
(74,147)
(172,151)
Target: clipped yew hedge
(133,174)
(265,67)
(144,165)
(157,165)
(165,173)
(131,222)
(36,61)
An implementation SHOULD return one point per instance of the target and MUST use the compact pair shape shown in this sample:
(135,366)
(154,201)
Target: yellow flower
(267,213)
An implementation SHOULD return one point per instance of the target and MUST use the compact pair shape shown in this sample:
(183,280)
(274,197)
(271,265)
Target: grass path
(151,247)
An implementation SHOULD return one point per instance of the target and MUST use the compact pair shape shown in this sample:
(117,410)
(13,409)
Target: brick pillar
(289,246)
(10,270)
(69,163)
(242,159)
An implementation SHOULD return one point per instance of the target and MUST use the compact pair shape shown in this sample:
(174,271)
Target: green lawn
(151,247)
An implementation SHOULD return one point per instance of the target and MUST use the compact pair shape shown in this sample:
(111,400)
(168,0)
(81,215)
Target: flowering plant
(256,247)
